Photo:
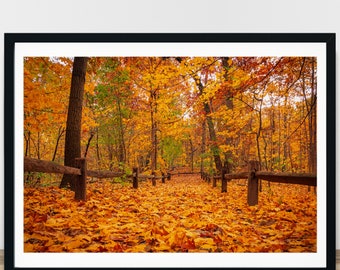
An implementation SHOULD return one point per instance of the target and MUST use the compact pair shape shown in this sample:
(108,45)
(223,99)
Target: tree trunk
(122,148)
(37,146)
(27,140)
(311,111)
(110,151)
(88,143)
(230,106)
(258,134)
(73,124)
(203,143)
(192,152)
(97,149)
(313,123)
(154,141)
(60,134)
(212,134)
(285,136)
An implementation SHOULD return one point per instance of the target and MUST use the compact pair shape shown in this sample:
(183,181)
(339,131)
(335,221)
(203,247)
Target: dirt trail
(183,215)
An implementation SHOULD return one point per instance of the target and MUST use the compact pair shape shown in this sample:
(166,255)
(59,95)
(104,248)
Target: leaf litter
(185,214)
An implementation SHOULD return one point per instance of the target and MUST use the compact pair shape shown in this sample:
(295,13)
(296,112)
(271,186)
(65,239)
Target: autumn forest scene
(170,154)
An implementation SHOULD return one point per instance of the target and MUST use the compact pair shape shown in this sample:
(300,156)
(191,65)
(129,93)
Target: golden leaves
(184,215)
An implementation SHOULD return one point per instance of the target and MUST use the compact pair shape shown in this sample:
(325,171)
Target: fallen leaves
(183,215)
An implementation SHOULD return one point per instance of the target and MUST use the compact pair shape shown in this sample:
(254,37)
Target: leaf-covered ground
(183,215)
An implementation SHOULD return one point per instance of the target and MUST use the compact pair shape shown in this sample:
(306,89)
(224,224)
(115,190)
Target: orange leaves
(184,215)
(178,240)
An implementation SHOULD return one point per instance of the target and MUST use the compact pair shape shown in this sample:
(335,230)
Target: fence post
(169,176)
(253,183)
(153,178)
(135,177)
(224,180)
(163,178)
(214,181)
(80,185)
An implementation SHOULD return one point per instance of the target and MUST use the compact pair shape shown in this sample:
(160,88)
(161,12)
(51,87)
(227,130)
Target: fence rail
(37,165)
(307,179)
(254,175)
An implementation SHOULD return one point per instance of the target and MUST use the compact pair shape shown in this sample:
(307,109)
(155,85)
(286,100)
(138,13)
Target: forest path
(184,214)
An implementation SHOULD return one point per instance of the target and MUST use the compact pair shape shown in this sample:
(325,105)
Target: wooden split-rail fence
(81,171)
(253,175)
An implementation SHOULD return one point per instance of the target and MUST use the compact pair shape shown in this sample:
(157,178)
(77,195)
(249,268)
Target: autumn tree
(205,78)
(110,104)
(73,124)
(271,89)
(158,84)
(46,80)
(159,112)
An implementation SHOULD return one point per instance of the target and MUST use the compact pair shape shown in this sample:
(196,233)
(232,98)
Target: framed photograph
(170,150)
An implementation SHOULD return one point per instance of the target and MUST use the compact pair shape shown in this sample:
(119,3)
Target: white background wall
(199,16)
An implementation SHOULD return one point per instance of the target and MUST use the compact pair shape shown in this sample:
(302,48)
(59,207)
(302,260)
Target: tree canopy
(163,112)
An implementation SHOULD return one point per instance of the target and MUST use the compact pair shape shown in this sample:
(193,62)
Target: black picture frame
(14,39)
